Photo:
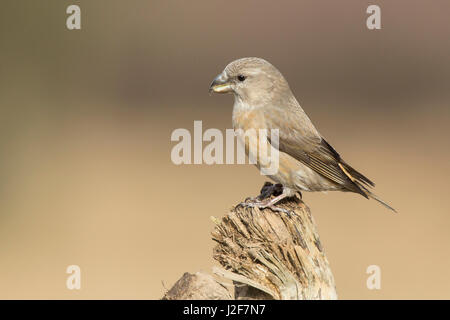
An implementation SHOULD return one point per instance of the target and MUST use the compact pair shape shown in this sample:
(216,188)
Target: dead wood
(267,255)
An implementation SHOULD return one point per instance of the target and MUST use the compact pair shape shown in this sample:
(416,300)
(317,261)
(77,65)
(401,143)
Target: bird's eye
(241,77)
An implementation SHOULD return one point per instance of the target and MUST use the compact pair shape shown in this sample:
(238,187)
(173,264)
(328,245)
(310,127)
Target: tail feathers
(362,183)
(375,197)
(357,175)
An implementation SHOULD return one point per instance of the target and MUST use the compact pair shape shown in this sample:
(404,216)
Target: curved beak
(220,84)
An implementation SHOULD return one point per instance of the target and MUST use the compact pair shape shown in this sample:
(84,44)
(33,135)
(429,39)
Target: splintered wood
(273,255)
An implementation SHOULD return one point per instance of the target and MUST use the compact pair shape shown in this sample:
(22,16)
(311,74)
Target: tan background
(86,118)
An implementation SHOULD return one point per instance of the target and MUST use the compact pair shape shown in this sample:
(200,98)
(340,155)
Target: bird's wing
(299,139)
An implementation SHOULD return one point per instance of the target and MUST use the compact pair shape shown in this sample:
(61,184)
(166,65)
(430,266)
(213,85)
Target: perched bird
(307,162)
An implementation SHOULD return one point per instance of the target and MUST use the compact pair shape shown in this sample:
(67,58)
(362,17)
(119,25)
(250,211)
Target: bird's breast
(248,118)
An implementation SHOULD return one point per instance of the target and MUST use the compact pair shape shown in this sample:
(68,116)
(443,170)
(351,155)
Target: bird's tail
(362,183)
(372,195)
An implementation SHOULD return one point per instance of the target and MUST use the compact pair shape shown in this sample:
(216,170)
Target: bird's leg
(268,202)
(268,189)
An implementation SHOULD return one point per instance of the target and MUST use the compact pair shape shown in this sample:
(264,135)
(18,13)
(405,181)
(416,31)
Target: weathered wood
(198,286)
(267,255)
(277,254)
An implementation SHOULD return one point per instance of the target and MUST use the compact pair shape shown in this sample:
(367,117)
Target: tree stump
(270,255)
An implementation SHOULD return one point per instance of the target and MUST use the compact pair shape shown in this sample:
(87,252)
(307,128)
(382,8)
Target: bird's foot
(267,190)
(289,213)
(266,203)
(252,202)
(265,200)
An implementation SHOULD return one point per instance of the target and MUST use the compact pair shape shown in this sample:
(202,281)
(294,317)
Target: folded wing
(299,139)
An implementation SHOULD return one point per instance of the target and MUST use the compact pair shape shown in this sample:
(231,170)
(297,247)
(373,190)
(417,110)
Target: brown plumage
(307,162)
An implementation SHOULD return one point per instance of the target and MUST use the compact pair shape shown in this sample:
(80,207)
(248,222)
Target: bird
(306,161)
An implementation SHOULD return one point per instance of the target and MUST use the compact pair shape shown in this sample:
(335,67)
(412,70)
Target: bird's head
(252,80)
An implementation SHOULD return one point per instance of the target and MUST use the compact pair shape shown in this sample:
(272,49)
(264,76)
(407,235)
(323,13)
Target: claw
(246,204)
(289,213)
(266,204)
(264,199)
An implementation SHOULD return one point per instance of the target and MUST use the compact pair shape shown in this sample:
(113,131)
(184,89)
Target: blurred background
(86,118)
